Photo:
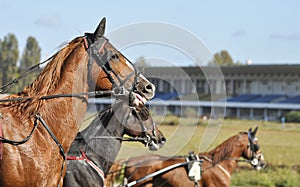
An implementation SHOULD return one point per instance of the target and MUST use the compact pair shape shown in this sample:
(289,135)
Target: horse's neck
(229,165)
(65,114)
(102,147)
(226,154)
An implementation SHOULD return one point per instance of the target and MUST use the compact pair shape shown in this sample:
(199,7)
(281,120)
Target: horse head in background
(50,110)
(253,152)
(95,148)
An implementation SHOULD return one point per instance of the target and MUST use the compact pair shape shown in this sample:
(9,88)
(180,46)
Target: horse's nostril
(163,140)
(149,88)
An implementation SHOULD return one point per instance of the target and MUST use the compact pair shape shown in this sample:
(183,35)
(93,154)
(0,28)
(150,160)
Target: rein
(124,139)
(13,142)
(146,138)
(239,160)
(189,160)
(157,173)
(118,91)
(61,149)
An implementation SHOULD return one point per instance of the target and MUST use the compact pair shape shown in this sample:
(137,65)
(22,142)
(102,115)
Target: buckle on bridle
(120,91)
(254,162)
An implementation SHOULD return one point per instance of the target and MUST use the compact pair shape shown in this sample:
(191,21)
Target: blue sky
(267,32)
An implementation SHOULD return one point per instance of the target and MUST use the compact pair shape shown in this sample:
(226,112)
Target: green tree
(9,57)
(30,57)
(141,64)
(223,58)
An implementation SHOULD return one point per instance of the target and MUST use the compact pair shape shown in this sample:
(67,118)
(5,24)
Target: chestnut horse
(39,124)
(96,147)
(216,168)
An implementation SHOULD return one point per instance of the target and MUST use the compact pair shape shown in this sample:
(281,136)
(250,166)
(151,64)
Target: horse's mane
(49,78)
(225,149)
(46,82)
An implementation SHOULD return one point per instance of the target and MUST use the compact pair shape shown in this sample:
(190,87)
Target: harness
(39,118)
(219,166)
(192,162)
(83,157)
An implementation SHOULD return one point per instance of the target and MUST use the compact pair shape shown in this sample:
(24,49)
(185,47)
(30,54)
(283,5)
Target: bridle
(146,139)
(98,51)
(252,159)
(253,149)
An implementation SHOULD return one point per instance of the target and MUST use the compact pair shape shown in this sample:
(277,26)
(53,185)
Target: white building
(250,91)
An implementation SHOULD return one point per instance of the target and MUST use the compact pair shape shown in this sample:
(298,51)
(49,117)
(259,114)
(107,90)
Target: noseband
(97,51)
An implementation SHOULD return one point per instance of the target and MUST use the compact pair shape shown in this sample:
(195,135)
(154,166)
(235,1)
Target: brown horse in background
(39,124)
(217,165)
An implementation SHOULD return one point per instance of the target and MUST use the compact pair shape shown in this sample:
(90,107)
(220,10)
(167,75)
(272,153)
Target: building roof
(243,69)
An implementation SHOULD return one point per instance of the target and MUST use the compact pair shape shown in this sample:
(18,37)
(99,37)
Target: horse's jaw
(153,147)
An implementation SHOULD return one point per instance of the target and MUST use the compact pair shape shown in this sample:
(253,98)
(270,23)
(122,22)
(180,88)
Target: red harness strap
(86,43)
(91,163)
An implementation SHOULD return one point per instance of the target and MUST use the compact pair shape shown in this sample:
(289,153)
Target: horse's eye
(115,56)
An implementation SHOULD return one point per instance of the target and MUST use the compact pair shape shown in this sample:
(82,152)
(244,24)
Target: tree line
(12,64)
(223,58)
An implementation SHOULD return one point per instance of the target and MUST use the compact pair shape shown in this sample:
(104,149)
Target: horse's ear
(99,32)
(250,130)
(254,132)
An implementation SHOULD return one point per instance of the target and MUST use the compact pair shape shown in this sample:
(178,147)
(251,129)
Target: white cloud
(238,33)
(290,37)
(49,21)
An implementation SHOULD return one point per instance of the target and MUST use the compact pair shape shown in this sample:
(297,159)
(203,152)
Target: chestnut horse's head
(109,68)
(253,151)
